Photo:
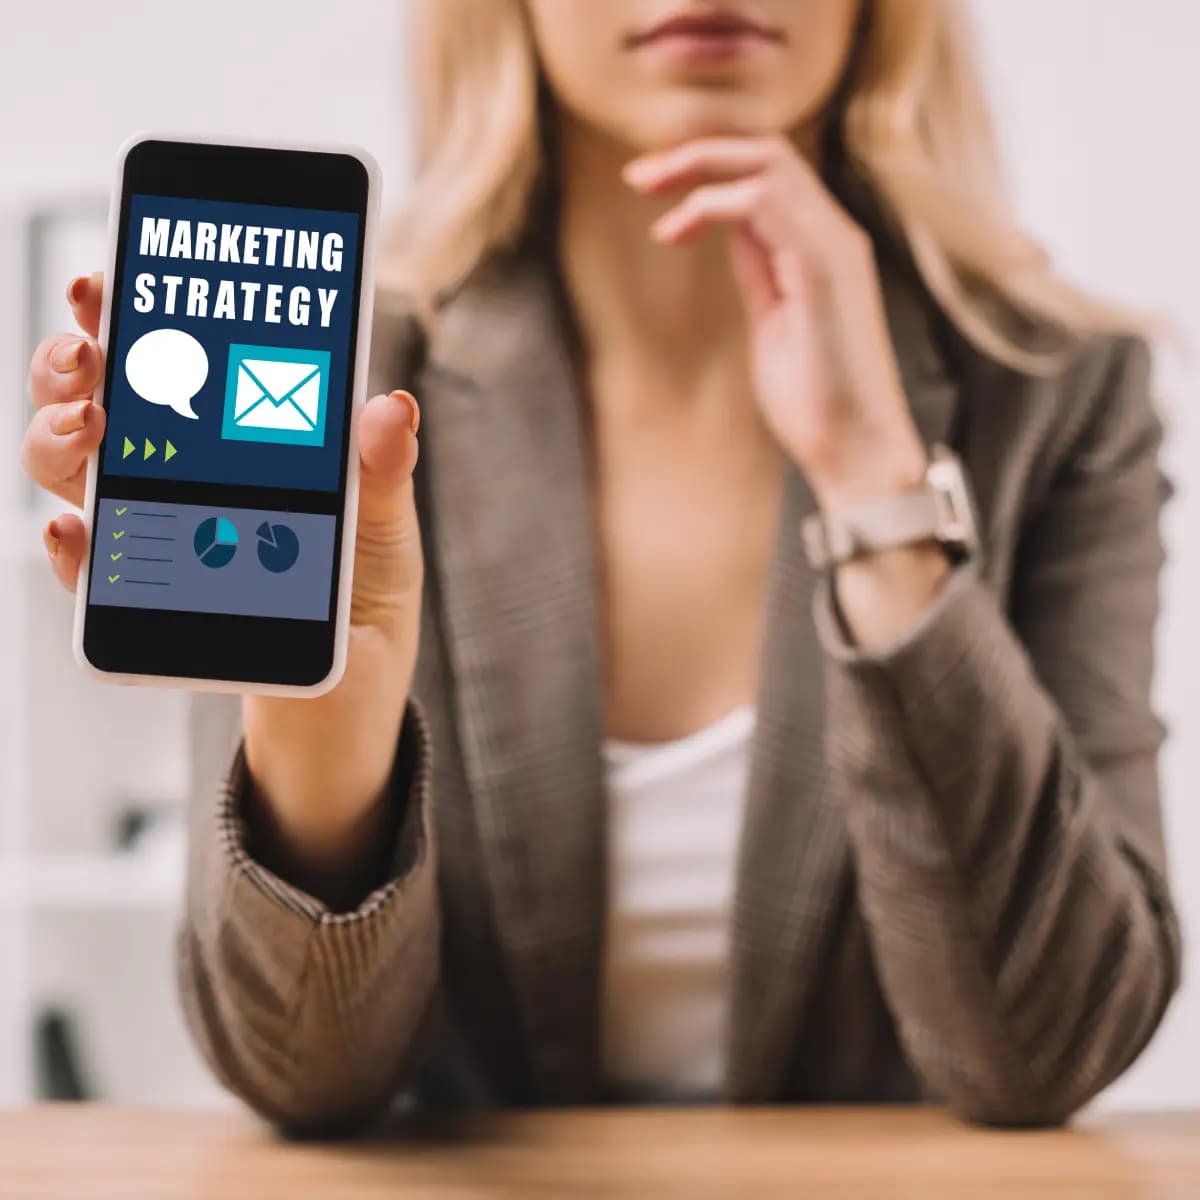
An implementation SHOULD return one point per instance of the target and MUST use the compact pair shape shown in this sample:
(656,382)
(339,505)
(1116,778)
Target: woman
(624,794)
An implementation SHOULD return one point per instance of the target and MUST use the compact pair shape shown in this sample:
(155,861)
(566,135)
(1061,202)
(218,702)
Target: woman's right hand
(319,766)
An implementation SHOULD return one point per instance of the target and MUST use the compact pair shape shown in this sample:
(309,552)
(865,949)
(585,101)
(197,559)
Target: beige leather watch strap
(940,510)
(899,521)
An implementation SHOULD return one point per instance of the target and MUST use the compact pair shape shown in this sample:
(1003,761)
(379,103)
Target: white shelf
(75,882)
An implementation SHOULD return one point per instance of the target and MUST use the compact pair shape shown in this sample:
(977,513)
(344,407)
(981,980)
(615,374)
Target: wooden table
(88,1152)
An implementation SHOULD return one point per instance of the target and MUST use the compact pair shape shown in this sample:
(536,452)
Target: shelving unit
(16,1063)
(86,928)
(69,760)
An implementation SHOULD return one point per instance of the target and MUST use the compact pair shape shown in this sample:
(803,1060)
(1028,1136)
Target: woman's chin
(672,120)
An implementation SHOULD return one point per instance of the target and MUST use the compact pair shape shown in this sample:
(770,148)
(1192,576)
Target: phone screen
(229,380)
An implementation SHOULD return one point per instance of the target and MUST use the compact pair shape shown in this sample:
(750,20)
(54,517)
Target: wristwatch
(940,510)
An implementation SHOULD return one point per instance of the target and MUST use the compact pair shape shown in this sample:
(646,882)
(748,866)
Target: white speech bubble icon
(167,366)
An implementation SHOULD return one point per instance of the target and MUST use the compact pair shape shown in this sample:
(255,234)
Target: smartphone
(221,504)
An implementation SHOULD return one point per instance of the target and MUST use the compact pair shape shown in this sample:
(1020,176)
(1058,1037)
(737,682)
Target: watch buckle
(952,504)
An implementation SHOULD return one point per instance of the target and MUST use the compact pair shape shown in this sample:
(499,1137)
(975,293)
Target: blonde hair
(912,124)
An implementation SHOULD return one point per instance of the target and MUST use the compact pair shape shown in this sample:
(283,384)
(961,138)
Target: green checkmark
(113,578)
(121,511)
(118,534)
(119,554)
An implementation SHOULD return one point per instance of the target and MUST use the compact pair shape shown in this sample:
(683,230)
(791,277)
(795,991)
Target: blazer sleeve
(310,1016)
(1000,779)
(313,1017)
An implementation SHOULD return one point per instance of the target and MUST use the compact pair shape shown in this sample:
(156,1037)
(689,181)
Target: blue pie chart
(278,546)
(215,541)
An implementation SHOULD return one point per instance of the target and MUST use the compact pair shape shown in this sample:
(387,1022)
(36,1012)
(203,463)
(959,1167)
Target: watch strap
(939,510)
(881,525)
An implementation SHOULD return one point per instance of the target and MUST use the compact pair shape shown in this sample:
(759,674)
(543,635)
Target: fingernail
(67,418)
(51,537)
(414,411)
(65,356)
(636,171)
(76,289)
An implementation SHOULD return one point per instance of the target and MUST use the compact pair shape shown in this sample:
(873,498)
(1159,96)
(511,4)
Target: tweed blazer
(950,876)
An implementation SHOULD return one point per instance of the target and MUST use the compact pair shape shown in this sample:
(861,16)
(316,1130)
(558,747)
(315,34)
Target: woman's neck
(671,313)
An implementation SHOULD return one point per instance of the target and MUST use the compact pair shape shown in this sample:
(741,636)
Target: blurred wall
(79,77)
(1096,102)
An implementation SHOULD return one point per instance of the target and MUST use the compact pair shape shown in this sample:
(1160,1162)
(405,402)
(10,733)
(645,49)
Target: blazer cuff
(410,790)
(919,660)
(284,995)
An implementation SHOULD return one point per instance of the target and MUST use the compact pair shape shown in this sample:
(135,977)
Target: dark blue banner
(233,340)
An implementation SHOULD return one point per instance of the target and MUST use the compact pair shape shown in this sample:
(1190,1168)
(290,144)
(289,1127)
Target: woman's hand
(826,377)
(319,766)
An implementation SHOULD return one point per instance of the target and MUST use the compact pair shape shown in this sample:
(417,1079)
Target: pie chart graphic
(278,546)
(215,541)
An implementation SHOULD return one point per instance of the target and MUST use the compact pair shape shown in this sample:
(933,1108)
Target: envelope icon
(276,395)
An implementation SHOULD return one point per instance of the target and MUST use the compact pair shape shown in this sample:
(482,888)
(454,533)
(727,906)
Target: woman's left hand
(826,377)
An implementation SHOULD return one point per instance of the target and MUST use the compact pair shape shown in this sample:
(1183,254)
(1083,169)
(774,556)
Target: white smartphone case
(366,307)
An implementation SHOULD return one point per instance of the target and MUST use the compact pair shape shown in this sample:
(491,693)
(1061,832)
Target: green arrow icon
(150,449)
(169,453)
(127,449)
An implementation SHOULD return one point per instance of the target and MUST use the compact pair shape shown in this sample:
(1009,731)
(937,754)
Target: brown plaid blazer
(951,878)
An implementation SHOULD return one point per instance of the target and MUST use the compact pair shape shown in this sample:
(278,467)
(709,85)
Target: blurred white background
(1098,108)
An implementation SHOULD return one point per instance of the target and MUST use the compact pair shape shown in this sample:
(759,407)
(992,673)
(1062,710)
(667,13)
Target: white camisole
(674,819)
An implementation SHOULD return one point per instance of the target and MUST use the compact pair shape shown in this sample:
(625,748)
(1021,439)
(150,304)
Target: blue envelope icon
(276,395)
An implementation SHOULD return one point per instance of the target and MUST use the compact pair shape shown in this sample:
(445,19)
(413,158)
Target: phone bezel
(209,651)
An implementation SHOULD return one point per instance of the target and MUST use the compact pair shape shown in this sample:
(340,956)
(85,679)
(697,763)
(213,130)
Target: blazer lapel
(511,555)
(794,867)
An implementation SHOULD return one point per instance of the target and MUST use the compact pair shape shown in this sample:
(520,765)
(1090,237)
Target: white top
(674,820)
